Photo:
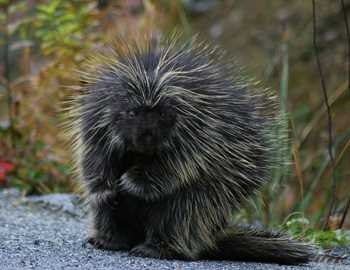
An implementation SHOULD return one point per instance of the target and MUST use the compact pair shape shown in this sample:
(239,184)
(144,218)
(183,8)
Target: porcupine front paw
(135,182)
(134,174)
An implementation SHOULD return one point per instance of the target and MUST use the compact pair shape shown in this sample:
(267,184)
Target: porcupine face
(145,130)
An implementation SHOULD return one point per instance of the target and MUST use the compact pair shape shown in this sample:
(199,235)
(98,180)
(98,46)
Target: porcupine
(170,140)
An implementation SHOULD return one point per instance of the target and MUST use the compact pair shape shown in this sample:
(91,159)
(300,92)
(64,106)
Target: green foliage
(299,227)
(40,171)
(59,29)
(61,25)
(4,2)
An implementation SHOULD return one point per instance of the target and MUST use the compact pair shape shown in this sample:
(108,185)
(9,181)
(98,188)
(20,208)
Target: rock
(71,204)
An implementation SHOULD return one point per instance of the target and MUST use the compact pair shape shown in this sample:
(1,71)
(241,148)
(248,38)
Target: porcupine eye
(131,115)
(126,115)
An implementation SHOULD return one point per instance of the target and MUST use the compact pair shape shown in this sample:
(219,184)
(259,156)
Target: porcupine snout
(146,132)
(145,139)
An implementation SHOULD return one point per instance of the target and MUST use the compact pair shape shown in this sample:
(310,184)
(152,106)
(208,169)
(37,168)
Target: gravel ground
(47,233)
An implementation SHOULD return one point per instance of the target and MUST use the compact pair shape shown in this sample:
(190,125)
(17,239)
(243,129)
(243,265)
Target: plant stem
(330,135)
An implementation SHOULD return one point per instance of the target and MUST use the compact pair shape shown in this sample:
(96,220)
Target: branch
(330,135)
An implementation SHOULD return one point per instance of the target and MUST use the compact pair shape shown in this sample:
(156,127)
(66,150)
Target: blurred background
(42,42)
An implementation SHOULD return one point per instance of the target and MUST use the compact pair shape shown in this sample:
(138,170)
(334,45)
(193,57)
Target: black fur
(171,144)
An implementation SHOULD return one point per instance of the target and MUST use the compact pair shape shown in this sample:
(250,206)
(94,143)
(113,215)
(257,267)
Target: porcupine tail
(260,246)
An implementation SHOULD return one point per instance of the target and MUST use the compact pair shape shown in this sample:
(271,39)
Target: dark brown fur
(169,146)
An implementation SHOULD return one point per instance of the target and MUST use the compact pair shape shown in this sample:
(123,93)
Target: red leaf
(5,167)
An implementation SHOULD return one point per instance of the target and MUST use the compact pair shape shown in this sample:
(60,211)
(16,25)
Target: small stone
(36,242)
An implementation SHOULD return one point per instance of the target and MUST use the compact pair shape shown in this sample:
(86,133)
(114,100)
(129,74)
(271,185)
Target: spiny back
(223,122)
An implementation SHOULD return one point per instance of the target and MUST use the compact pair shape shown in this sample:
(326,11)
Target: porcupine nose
(147,137)
(149,129)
